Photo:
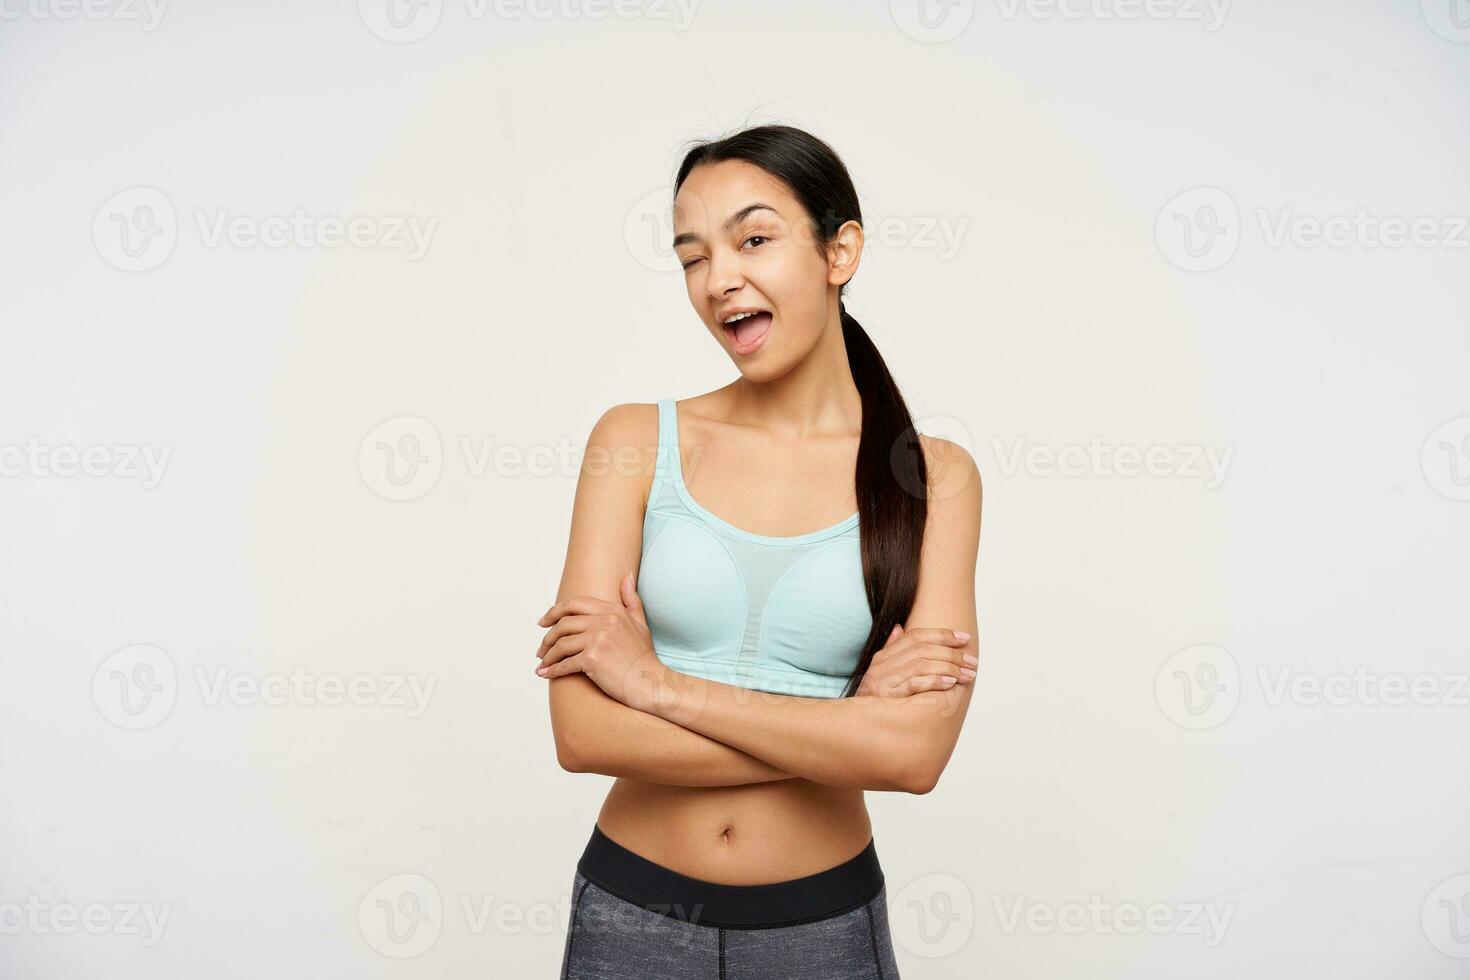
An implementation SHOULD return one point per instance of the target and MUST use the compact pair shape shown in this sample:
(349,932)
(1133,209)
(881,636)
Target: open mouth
(749,332)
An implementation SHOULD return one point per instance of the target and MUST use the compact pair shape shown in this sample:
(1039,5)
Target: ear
(844,253)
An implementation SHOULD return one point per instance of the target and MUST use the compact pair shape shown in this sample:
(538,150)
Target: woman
(735,841)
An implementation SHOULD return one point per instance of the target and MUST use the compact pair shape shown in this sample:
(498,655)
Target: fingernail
(970,659)
(948,681)
(961,635)
(966,673)
(541,671)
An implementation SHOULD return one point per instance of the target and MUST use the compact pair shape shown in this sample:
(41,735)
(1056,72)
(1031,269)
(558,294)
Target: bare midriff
(753,834)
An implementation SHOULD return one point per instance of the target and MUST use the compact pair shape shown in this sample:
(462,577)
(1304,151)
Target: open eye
(754,237)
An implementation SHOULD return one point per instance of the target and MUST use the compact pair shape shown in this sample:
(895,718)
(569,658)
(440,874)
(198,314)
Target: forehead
(714,191)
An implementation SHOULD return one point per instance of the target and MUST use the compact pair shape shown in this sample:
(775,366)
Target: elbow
(920,772)
(920,780)
(567,759)
(569,756)
(909,776)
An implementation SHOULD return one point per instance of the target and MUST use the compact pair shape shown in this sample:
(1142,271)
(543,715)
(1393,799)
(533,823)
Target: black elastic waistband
(634,878)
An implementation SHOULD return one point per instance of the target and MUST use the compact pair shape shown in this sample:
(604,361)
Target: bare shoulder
(628,423)
(623,447)
(955,489)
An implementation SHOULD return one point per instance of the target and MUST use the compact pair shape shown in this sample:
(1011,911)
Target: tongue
(752,327)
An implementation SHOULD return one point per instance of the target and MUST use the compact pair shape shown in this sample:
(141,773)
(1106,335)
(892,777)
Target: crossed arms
(712,734)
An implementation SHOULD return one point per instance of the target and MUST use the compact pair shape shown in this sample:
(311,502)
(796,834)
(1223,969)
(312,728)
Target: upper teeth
(739,316)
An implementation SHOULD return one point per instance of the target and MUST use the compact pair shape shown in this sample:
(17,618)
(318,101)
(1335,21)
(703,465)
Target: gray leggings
(632,919)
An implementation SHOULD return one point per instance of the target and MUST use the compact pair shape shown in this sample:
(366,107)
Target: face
(746,244)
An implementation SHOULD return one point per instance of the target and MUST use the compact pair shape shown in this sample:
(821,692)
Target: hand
(608,641)
(920,659)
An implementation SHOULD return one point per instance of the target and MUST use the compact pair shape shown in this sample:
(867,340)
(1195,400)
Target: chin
(767,370)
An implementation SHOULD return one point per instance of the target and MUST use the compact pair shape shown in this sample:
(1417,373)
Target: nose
(724,276)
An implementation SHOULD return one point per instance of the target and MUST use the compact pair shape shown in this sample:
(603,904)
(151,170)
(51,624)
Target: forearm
(861,742)
(597,734)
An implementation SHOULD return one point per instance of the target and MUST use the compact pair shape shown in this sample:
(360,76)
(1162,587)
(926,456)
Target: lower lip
(754,345)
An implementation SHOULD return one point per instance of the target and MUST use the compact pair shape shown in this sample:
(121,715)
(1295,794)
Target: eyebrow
(733,220)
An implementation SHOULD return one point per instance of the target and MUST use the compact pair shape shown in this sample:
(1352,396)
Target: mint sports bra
(785,614)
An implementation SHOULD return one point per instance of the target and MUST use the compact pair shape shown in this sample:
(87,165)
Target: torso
(758,832)
(738,835)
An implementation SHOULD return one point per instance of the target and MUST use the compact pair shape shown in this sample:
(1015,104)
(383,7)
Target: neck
(818,395)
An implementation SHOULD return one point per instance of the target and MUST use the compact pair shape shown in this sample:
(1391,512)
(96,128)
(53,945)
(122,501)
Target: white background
(1052,142)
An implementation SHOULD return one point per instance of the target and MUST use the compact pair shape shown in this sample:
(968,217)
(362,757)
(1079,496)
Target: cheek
(803,309)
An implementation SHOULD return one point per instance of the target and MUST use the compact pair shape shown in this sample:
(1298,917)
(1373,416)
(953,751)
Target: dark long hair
(890,478)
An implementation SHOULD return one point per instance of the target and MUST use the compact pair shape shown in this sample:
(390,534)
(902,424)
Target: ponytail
(891,480)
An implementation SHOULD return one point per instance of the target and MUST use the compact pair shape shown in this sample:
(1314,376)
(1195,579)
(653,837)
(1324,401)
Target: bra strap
(668,443)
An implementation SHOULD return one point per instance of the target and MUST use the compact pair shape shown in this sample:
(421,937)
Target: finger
(931,682)
(945,666)
(957,655)
(631,602)
(561,668)
(938,634)
(567,646)
(889,685)
(565,626)
(572,604)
